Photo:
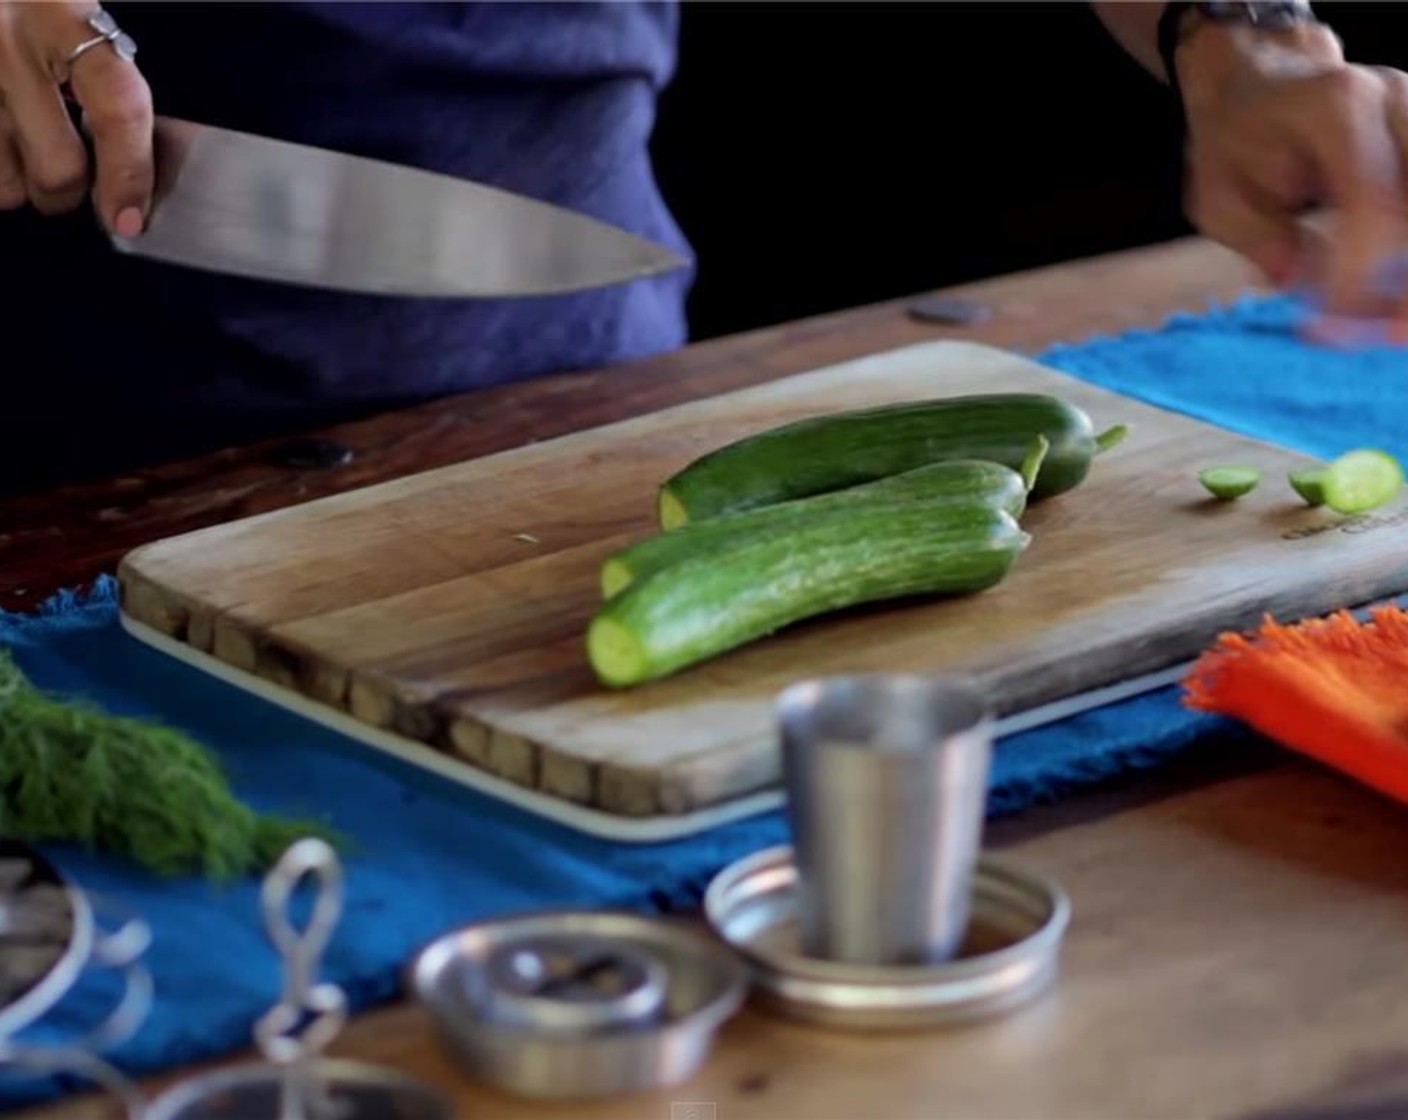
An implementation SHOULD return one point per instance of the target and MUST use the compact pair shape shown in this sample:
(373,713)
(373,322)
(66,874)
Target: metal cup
(886,782)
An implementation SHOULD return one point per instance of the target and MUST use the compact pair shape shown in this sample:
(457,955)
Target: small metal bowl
(1008,958)
(570,1058)
(580,983)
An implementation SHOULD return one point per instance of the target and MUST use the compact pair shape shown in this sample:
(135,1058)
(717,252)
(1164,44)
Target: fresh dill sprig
(131,787)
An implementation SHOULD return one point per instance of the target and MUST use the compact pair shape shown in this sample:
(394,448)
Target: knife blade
(253,206)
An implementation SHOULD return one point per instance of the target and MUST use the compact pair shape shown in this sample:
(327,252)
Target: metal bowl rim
(189,1090)
(1039,941)
(428,964)
(63,974)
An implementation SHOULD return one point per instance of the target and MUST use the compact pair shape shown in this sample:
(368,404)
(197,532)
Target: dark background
(825,155)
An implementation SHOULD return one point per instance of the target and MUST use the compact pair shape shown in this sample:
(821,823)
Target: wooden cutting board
(450,607)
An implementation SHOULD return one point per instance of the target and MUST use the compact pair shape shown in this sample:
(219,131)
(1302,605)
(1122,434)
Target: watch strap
(1252,13)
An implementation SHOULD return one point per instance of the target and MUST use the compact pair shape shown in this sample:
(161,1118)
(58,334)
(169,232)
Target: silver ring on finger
(105,30)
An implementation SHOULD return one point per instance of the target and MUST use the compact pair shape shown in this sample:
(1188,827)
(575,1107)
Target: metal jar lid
(579,1037)
(1009,957)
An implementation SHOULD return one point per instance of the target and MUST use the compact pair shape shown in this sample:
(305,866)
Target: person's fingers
(1354,153)
(1396,91)
(1229,211)
(36,44)
(55,164)
(117,105)
(13,192)
(1349,332)
(1395,84)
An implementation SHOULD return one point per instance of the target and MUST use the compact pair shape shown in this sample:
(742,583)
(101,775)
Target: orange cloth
(1335,689)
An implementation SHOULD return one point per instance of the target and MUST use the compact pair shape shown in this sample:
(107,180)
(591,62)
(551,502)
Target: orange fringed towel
(1334,688)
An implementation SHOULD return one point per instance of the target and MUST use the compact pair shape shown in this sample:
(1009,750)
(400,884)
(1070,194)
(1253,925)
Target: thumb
(117,107)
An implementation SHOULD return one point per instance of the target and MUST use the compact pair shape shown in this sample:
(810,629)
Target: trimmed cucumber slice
(1031,465)
(672,511)
(1229,482)
(616,576)
(1309,483)
(1361,480)
(616,652)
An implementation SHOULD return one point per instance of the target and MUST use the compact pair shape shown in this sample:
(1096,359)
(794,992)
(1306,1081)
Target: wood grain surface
(451,607)
(1237,942)
(1233,951)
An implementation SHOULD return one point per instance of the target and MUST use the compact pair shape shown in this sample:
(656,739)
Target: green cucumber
(1361,480)
(1229,482)
(839,450)
(756,584)
(1309,483)
(956,482)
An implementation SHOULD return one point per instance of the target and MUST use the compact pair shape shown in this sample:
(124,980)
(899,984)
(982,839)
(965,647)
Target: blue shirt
(138,361)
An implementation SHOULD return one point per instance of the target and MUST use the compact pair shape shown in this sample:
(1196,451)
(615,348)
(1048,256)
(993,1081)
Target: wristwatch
(1178,20)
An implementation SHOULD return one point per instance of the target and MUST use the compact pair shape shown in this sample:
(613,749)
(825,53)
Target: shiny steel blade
(257,207)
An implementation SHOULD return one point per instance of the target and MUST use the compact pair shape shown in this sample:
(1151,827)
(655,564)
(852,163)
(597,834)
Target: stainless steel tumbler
(886,784)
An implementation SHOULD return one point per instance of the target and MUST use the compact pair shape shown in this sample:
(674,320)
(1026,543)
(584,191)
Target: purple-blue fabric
(557,101)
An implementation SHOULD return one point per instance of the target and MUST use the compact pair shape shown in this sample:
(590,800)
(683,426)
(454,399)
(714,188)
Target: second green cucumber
(955,482)
(705,605)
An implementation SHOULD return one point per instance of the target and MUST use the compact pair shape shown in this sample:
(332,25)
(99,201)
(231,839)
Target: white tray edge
(593,822)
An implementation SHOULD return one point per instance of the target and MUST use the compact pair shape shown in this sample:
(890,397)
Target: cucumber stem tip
(1111,437)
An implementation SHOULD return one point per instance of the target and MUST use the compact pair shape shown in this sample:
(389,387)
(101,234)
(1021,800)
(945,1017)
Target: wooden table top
(1238,922)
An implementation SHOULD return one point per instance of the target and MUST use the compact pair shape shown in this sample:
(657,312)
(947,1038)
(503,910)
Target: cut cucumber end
(614,653)
(1309,484)
(1111,437)
(672,511)
(1361,480)
(1229,482)
(1031,465)
(615,578)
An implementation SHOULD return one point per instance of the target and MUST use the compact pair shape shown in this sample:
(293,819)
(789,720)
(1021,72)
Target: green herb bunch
(131,787)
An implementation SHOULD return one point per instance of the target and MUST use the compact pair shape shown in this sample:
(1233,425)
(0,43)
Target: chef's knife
(253,206)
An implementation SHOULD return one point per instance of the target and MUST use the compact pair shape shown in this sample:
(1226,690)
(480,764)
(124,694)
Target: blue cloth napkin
(430,854)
